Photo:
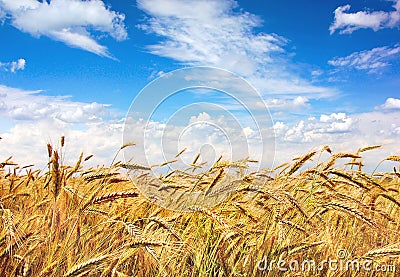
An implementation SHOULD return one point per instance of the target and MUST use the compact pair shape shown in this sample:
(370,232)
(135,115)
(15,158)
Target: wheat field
(70,220)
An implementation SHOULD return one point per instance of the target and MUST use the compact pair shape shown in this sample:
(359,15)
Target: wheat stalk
(181,152)
(334,157)
(166,226)
(383,252)
(352,211)
(85,266)
(245,212)
(134,166)
(77,166)
(393,158)
(48,269)
(215,181)
(98,175)
(210,214)
(350,178)
(300,162)
(114,196)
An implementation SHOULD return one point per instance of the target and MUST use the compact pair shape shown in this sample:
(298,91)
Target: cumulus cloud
(338,127)
(369,60)
(13,66)
(216,33)
(338,123)
(37,119)
(30,120)
(391,104)
(72,22)
(343,133)
(299,102)
(313,130)
(161,142)
(17,104)
(26,141)
(347,22)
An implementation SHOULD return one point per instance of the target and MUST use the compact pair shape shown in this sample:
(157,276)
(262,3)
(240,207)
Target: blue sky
(328,70)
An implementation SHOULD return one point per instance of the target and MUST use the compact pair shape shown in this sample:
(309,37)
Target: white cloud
(316,73)
(311,130)
(349,22)
(338,123)
(215,33)
(201,117)
(13,66)
(208,32)
(161,142)
(30,120)
(38,119)
(280,128)
(299,102)
(26,140)
(343,133)
(391,104)
(68,21)
(370,60)
(17,104)
(332,117)
(296,133)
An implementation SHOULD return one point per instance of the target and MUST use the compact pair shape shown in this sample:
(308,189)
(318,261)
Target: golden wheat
(97,223)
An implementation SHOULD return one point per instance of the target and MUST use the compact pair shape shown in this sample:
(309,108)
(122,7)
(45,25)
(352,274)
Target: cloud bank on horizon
(199,33)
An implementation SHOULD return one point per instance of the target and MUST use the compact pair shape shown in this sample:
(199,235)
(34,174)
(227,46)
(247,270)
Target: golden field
(78,221)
